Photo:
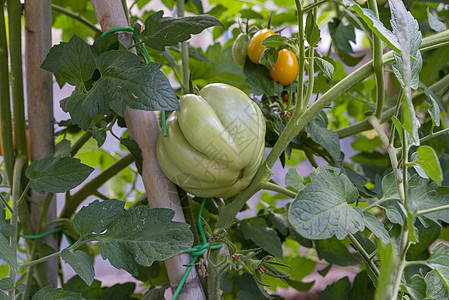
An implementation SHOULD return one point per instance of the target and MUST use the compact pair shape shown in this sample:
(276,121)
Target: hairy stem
(378,65)
(276,188)
(366,257)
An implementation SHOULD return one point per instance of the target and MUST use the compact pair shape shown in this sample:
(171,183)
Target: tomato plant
(258,179)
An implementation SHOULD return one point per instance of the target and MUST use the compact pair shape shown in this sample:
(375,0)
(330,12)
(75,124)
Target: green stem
(5,104)
(366,257)
(15,51)
(53,255)
(378,65)
(377,203)
(80,142)
(300,103)
(309,7)
(16,189)
(184,53)
(311,70)
(77,17)
(276,188)
(386,143)
(75,200)
(431,210)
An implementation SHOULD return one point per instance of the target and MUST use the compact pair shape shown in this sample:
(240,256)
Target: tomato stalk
(5,105)
(378,65)
(300,105)
(184,53)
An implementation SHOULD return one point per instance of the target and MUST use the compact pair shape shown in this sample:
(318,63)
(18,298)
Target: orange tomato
(286,67)
(255,47)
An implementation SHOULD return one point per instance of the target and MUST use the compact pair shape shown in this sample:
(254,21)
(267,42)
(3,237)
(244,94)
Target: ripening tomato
(286,67)
(255,47)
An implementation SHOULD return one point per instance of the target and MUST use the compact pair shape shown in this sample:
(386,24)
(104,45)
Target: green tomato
(215,142)
(240,49)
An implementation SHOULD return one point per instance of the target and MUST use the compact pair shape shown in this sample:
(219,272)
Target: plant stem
(386,143)
(378,65)
(300,103)
(276,188)
(311,70)
(431,210)
(15,51)
(366,257)
(16,189)
(5,105)
(80,142)
(184,53)
(77,17)
(75,200)
(377,203)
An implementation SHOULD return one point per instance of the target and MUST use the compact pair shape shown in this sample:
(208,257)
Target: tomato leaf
(49,293)
(77,61)
(375,25)
(97,216)
(376,227)
(162,32)
(388,261)
(134,149)
(56,174)
(259,81)
(435,288)
(428,160)
(141,236)
(439,262)
(326,67)
(6,252)
(321,209)
(434,23)
(80,263)
(258,231)
(317,128)
(416,287)
(335,252)
(312,31)
(340,289)
(5,228)
(293,179)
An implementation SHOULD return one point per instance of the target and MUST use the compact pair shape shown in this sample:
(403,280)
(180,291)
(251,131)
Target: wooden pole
(39,91)
(144,130)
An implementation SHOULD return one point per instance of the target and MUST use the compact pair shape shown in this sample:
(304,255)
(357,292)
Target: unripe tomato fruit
(240,49)
(215,142)
(286,68)
(255,47)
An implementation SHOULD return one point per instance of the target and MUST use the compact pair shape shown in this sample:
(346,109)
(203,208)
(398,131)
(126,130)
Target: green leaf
(293,179)
(429,195)
(7,253)
(434,23)
(389,187)
(126,82)
(439,262)
(6,284)
(161,32)
(435,289)
(263,236)
(394,214)
(259,80)
(362,288)
(5,228)
(73,106)
(97,216)
(375,25)
(335,252)
(99,134)
(312,31)
(3,296)
(317,128)
(134,149)
(52,61)
(142,236)
(279,221)
(388,263)
(77,61)
(56,174)
(321,209)
(77,285)
(342,34)
(49,293)
(325,66)
(337,290)
(428,160)
(416,287)
(376,227)
(120,291)
(279,42)
(434,108)
(158,293)
(80,263)
(365,144)
(427,235)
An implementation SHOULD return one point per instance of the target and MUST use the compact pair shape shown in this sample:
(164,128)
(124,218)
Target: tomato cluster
(286,68)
